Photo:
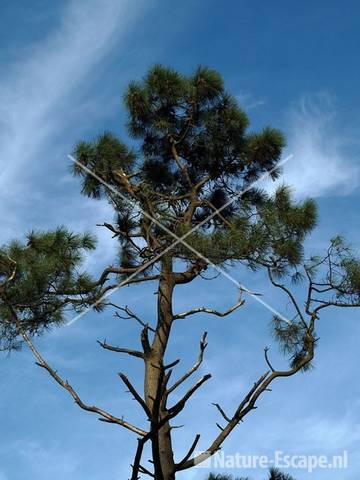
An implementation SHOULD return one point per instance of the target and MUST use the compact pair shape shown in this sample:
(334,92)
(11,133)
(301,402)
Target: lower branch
(246,406)
(105,416)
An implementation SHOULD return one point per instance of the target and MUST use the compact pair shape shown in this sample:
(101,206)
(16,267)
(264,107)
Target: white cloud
(51,71)
(247,101)
(41,97)
(321,164)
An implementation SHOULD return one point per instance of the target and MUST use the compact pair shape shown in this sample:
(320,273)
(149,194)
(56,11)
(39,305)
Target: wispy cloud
(247,101)
(322,163)
(42,90)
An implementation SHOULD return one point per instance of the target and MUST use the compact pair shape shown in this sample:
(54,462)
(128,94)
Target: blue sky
(64,65)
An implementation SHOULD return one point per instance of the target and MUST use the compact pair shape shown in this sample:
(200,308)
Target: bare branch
(173,411)
(246,406)
(210,311)
(195,367)
(189,453)
(105,416)
(145,340)
(172,364)
(135,394)
(289,294)
(334,304)
(181,278)
(133,353)
(266,349)
(222,412)
(129,281)
(142,469)
(130,314)
(124,271)
(138,455)
(110,227)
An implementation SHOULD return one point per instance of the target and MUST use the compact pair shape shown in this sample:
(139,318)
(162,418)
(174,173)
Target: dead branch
(176,409)
(40,361)
(209,311)
(223,414)
(190,452)
(266,349)
(133,353)
(246,405)
(130,314)
(136,395)
(105,416)
(195,367)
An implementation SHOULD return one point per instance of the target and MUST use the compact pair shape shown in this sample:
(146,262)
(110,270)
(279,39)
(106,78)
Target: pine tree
(184,202)
(224,477)
(274,474)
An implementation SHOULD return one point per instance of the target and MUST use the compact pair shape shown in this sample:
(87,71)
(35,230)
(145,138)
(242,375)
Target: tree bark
(155,377)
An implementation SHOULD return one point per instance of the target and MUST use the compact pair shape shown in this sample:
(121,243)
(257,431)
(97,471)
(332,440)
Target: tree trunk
(162,450)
